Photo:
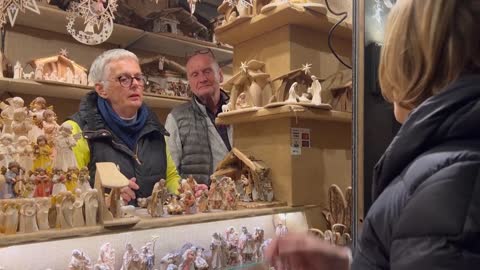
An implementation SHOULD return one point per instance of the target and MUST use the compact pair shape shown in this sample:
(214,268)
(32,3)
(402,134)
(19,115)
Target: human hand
(306,252)
(127,193)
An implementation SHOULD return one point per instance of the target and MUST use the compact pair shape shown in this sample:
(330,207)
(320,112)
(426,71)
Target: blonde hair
(428,44)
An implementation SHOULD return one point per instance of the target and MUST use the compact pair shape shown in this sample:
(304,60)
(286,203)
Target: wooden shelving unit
(145,223)
(54,20)
(76,92)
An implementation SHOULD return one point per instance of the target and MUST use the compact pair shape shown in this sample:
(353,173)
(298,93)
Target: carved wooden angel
(28,220)
(64,143)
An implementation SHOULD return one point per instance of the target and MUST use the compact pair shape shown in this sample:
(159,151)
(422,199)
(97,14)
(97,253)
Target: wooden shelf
(146,223)
(68,91)
(54,20)
(293,111)
(237,32)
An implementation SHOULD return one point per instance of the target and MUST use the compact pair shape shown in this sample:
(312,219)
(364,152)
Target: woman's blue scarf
(128,132)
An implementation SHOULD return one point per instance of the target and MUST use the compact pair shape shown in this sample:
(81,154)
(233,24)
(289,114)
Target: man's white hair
(98,70)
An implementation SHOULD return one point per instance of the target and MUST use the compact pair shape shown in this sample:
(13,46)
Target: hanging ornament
(10,8)
(97,16)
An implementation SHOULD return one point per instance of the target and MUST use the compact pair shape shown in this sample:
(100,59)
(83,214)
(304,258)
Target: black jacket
(427,188)
(147,163)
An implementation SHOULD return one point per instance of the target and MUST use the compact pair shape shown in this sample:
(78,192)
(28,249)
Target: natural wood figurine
(157,199)
(8,110)
(64,207)
(7,149)
(339,216)
(174,207)
(91,201)
(10,222)
(64,143)
(50,125)
(78,216)
(21,124)
(28,217)
(43,206)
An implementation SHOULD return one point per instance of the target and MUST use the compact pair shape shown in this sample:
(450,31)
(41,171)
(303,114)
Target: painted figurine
(50,125)
(231,198)
(24,153)
(64,143)
(43,184)
(280,229)
(188,260)
(200,260)
(37,108)
(147,257)
(79,261)
(21,125)
(58,180)
(7,113)
(131,259)
(202,202)
(84,179)
(7,150)
(17,70)
(42,153)
(71,182)
(247,188)
(173,207)
(258,237)
(214,196)
(218,248)
(189,203)
(246,245)
(106,258)
(11,178)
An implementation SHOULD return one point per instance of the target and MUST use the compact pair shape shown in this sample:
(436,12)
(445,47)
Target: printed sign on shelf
(300,137)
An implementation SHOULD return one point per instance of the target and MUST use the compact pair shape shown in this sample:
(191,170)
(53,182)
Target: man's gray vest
(193,132)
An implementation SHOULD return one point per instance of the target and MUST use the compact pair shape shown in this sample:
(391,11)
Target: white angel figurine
(64,142)
(78,219)
(7,113)
(24,153)
(7,150)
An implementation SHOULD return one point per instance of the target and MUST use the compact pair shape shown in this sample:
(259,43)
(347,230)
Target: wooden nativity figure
(246,245)
(157,199)
(64,207)
(174,207)
(214,195)
(43,207)
(218,248)
(188,259)
(10,222)
(78,205)
(28,218)
(200,260)
(189,203)
(91,207)
(131,259)
(202,202)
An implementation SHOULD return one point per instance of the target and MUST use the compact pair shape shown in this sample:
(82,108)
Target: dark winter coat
(426,213)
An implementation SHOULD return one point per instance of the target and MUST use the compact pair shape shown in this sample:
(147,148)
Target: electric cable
(330,32)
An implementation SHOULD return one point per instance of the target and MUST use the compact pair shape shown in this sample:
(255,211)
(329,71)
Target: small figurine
(24,153)
(159,195)
(188,259)
(280,229)
(202,202)
(188,202)
(147,257)
(247,188)
(64,143)
(258,237)
(7,113)
(91,207)
(64,206)
(21,125)
(43,184)
(174,208)
(58,180)
(106,258)
(7,150)
(316,91)
(37,108)
(28,221)
(17,70)
(218,247)
(195,187)
(200,260)
(10,222)
(292,95)
(246,245)
(69,76)
(131,259)
(231,198)
(50,126)
(78,219)
(38,72)
(71,182)
(42,152)
(43,206)
(3,187)
(11,177)
(214,196)
(84,179)
(79,261)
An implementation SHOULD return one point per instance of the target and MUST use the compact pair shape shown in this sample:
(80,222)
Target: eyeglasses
(127,80)
(197,52)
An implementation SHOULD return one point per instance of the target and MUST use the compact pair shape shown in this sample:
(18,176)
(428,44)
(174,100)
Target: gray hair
(98,68)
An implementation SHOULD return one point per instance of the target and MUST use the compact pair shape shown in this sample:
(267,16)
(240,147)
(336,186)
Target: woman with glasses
(118,127)
(426,213)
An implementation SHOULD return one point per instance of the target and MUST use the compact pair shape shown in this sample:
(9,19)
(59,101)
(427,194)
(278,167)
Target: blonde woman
(426,213)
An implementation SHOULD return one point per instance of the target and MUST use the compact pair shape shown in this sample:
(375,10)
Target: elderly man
(118,127)
(196,143)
